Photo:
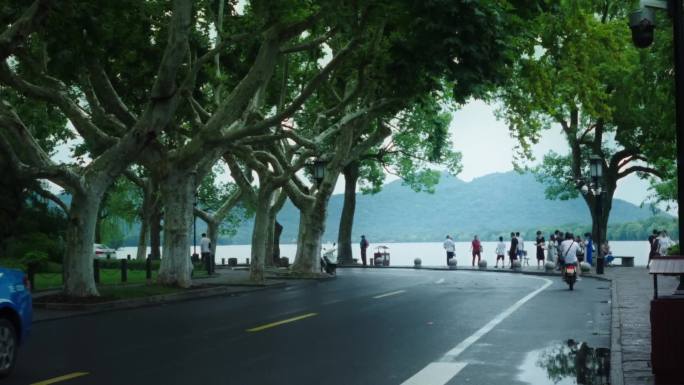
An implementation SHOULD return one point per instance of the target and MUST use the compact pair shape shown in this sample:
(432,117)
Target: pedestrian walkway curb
(151,300)
(616,375)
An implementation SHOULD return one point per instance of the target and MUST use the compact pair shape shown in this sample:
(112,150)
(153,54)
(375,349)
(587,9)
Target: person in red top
(476,248)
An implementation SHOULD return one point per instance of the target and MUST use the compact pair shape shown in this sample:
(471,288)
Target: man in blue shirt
(590,248)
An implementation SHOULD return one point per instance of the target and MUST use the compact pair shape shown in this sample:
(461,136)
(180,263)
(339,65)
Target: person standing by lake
(513,251)
(364,245)
(450,248)
(540,242)
(589,248)
(664,243)
(559,239)
(500,252)
(205,249)
(605,251)
(580,250)
(476,248)
(520,247)
(552,247)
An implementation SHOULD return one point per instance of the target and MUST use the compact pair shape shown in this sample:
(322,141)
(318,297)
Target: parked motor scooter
(328,266)
(570,275)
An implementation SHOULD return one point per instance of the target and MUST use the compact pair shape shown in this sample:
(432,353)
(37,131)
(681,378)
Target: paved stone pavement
(634,290)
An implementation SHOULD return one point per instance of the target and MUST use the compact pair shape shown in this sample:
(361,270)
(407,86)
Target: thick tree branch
(92,135)
(228,205)
(57,174)
(239,176)
(17,33)
(299,100)
(313,43)
(54,198)
(165,84)
(204,215)
(100,117)
(297,196)
(133,177)
(644,169)
(108,96)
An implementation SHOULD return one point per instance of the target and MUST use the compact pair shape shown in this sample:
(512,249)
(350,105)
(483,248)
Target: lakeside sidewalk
(633,288)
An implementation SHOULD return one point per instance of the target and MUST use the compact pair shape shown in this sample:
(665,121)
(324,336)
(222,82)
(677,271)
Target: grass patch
(49,281)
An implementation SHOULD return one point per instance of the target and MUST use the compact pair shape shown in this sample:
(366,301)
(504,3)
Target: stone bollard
(482,264)
(549,266)
(124,270)
(417,263)
(96,270)
(452,264)
(31,273)
(148,269)
(128,257)
(232,262)
(247,262)
(585,267)
(516,265)
(223,261)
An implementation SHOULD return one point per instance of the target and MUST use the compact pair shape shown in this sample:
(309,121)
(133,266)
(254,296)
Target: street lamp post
(596,172)
(194,227)
(318,170)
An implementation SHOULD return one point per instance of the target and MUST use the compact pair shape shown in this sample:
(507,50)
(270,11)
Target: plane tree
(443,35)
(419,142)
(580,72)
(45,68)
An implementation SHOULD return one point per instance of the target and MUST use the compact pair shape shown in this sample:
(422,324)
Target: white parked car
(103,251)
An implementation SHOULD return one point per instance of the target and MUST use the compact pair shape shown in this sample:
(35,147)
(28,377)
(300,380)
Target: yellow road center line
(388,294)
(61,378)
(274,324)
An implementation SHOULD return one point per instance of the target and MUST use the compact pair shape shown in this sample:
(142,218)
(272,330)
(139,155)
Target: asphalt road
(370,326)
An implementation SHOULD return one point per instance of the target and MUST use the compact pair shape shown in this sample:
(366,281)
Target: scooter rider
(568,250)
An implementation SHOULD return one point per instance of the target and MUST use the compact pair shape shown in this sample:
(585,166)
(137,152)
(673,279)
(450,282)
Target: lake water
(431,253)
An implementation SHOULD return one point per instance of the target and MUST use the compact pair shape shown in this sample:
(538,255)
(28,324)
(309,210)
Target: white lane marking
(388,294)
(436,373)
(465,344)
(440,281)
(439,373)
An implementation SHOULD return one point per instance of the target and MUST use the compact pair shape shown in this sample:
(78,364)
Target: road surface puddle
(567,363)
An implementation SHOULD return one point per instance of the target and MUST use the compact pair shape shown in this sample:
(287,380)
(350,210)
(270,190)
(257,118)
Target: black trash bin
(667,318)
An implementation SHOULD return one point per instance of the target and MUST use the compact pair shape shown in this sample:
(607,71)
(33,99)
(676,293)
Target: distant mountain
(490,205)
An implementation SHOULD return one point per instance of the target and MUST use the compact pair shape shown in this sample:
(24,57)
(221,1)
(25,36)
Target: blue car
(16,311)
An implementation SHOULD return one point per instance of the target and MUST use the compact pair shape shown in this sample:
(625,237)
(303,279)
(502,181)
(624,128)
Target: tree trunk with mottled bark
(155,232)
(213,234)
(277,231)
(178,193)
(344,237)
(260,235)
(78,255)
(142,240)
(268,254)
